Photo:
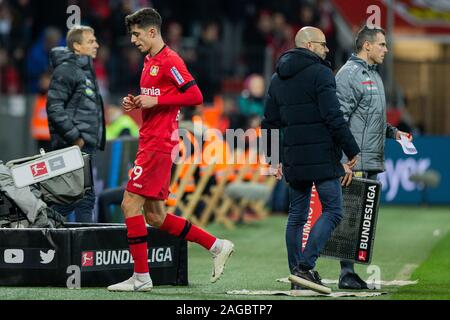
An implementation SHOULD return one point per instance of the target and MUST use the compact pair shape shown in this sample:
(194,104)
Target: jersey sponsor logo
(154,70)
(179,79)
(38,169)
(151,91)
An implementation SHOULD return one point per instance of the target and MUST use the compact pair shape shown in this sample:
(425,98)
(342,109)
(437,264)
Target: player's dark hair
(366,34)
(143,18)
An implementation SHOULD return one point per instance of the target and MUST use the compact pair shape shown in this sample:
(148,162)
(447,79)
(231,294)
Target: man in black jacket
(302,102)
(74,105)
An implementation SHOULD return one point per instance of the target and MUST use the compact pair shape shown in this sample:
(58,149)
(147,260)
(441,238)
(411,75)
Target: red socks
(182,228)
(137,240)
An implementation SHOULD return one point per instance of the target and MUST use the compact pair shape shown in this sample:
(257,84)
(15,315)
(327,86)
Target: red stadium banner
(412,17)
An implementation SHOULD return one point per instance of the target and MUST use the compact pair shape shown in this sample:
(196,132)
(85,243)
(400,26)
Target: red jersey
(164,74)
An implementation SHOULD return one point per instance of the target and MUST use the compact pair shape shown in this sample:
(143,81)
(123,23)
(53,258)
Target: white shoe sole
(308,284)
(142,288)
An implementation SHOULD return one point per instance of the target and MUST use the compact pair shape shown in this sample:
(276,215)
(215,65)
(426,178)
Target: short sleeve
(179,74)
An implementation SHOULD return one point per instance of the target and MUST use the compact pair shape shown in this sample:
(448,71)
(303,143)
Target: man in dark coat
(302,102)
(74,105)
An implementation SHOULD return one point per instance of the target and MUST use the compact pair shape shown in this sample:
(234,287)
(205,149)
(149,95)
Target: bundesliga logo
(87,259)
(362,255)
(38,169)
(365,236)
(123,257)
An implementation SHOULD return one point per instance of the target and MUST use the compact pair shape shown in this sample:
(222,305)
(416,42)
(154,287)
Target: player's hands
(347,179)
(128,103)
(402,133)
(145,102)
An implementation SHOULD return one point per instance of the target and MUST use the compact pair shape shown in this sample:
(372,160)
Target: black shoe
(308,279)
(352,281)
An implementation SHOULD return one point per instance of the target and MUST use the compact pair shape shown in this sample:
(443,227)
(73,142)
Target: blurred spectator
(39,120)
(257,35)
(38,58)
(308,16)
(119,124)
(174,37)
(100,67)
(209,70)
(9,76)
(326,24)
(282,36)
(231,117)
(5,24)
(251,100)
(20,33)
(119,32)
(129,70)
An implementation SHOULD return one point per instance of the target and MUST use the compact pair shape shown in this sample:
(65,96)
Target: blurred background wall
(231,47)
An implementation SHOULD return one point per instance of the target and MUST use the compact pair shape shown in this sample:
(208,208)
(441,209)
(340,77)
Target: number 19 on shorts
(137,171)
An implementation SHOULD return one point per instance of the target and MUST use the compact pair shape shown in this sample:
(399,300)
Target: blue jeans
(330,194)
(83,208)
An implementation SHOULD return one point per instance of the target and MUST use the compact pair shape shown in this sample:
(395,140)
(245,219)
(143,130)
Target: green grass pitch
(411,243)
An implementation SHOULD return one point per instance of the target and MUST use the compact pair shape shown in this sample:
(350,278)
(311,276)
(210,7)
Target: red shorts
(150,177)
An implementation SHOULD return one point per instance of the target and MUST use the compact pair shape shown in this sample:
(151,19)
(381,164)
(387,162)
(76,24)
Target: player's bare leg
(220,249)
(137,239)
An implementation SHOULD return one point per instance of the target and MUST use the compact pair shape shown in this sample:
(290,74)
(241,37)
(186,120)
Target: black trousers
(107,198)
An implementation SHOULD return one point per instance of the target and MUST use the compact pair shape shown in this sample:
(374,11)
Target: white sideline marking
(399,283)
(407,270)
(304,293)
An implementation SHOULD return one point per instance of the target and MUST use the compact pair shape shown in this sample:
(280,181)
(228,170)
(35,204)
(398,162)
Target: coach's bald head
(313,39)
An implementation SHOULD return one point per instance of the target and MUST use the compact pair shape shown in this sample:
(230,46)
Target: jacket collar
(367,66)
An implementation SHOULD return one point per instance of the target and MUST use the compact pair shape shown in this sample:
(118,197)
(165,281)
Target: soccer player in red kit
(166,84)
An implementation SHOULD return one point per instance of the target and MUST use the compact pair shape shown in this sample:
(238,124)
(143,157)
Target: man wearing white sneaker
(166,84)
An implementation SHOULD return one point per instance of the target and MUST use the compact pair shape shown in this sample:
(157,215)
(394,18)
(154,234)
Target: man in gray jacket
(75,106)
(361,95)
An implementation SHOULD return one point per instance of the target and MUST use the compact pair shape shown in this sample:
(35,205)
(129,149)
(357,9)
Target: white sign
(50,165)
(407,146)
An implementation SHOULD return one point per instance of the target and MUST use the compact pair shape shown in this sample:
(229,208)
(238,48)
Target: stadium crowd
(230,47)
